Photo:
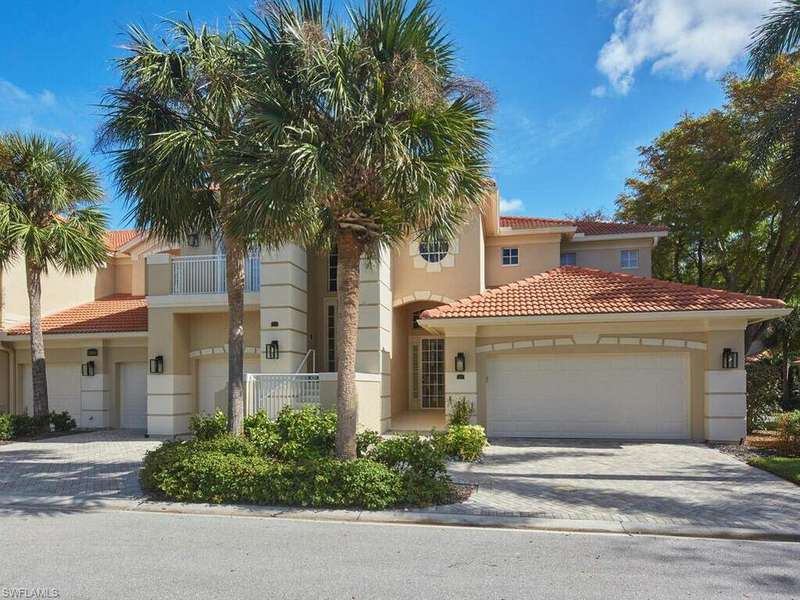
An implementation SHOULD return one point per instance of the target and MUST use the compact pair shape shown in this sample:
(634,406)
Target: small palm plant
(50,219)
(366,122)
(170,126)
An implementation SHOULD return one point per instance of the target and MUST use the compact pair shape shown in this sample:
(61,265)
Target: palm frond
(778,33)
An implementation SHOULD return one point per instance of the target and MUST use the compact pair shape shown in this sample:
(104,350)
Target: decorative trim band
(591,340)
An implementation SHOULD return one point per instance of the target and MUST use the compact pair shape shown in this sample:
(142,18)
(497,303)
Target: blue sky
(580,84)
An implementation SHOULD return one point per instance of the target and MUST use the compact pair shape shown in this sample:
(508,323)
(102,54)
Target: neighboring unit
(560,331)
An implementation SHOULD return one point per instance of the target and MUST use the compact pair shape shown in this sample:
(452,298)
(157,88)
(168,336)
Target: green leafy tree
(778,34)
(364,121)
(49,218)
(170,125)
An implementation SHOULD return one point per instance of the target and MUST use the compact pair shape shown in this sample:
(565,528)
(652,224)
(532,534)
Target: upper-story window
(434,251)
(333,270)
(510,257)
(569,259)
(629,259)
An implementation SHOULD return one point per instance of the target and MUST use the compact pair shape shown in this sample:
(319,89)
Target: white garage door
(212,382)
(63,388)
(133,385)
(634,396)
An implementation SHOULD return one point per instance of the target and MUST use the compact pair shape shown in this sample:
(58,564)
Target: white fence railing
(206,274)
(270,393)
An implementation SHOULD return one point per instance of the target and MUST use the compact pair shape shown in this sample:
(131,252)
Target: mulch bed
(758,443)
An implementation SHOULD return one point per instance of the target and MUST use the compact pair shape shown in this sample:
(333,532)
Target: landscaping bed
(16,428)
(289,461)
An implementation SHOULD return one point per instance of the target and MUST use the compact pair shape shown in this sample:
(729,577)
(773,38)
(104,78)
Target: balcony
(192,275)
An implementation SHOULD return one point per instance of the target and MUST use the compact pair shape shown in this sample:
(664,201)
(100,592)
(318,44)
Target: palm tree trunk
(33,274)
(349,290)
(234,274)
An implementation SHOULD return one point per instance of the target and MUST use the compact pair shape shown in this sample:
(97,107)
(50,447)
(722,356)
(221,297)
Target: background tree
(49,218)
(170,125)
(778,34)
(366,122)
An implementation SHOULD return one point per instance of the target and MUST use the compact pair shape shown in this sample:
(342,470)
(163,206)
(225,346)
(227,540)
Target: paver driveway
(659,483)
(100,464)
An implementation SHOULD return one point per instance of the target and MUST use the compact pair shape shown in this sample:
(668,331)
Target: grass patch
(782,466)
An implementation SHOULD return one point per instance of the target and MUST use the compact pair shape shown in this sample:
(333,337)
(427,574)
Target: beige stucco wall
(209,330)
(605,255)
(537,253)
(464,278)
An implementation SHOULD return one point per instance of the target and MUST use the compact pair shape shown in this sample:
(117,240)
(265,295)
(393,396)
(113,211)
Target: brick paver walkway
(100,464)
(659,483)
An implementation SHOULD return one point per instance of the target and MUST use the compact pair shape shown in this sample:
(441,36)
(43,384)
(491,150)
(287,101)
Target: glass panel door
(432,373)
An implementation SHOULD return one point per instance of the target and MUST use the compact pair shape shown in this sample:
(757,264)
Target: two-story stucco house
(551,328)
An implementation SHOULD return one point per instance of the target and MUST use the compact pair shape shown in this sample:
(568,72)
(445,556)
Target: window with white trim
(330,351)
(569,259)
(510,257)
(629,259)
(434,251)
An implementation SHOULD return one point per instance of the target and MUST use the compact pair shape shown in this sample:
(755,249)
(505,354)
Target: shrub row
(16,426)
(789,432)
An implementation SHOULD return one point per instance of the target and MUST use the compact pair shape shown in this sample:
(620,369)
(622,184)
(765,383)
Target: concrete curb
(76,504)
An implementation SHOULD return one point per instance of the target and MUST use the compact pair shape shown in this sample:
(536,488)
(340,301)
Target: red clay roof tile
(579,290)
(113,314)
(115,239)
(588,228)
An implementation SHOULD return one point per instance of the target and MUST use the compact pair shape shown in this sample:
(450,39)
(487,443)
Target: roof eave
(751,315)
(529,230)
(21,337)
(656,235)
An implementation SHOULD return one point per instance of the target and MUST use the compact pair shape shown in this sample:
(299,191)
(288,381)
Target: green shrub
(263,432)
(6,427)
(789,432)
(460,412)
(25,426)
(208,427)
(306,434)
(194,472)
(366,440)
(763,393)
(62,422)
(420,462)
(466,442)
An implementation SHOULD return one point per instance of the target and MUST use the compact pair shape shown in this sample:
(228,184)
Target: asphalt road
(146,555)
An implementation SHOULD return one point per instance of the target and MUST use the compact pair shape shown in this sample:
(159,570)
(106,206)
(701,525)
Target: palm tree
(169,125)
(779,33)
(364,121)
(49,217)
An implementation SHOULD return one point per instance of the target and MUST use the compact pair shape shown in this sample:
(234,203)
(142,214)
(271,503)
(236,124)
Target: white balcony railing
(206,274)
(270,393)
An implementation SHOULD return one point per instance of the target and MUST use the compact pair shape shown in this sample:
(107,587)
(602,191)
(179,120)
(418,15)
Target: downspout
(12,372)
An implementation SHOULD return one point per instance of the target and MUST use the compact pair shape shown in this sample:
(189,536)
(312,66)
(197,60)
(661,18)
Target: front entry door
(432,373)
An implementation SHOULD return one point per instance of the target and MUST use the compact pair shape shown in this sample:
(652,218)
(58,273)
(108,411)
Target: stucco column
(458,385)
(95,396)
(284,307)
(169,395)
(375,343)
(725,406)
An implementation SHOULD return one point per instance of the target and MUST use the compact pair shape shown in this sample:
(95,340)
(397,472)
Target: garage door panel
(63,388)
(625,396)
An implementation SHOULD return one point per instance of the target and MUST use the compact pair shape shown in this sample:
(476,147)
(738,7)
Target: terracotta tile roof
(582,291)
(118,313)
(115,239)
(587,228)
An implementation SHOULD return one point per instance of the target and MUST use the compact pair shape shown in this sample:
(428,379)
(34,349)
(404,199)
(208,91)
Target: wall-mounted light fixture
(87,369)
(272,350)
(730,359)
(193,240)
(461,362)
(157,365)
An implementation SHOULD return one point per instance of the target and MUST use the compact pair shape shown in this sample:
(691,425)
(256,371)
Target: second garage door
(212,383)
(63,389)
(633,396)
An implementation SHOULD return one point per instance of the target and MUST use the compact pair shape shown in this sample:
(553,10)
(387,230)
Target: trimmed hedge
(16,426)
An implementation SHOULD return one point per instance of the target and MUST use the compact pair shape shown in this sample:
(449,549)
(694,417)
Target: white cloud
(681,37)
(514,205)
(11,93)
(47,98)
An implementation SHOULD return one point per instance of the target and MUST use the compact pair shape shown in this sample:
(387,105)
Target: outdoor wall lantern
(193,240)
(730,359)
(461,362)
(87,369)
(157,365)
(272,350)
